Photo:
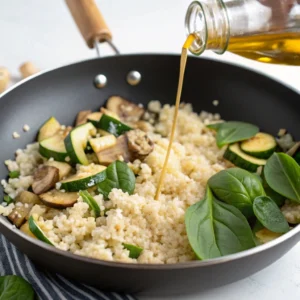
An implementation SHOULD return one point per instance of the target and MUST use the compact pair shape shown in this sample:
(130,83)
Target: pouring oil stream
(184,53)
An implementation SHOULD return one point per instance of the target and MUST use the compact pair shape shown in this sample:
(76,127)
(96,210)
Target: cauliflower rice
(156,226)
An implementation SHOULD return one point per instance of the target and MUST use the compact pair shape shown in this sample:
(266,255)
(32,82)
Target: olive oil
(266,31)
(276,48)
(190,39)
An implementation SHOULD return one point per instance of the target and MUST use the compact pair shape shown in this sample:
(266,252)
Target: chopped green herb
(134,251)
(14,174)
(8,199)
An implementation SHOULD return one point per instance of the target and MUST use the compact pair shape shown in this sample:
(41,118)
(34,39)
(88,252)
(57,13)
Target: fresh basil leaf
(14,174)
(282,174)
(119,176)
(232,132)
(215,126)
(216,229)
(237,187)
(89,199)
(134,251)
(15,288)
(269,215)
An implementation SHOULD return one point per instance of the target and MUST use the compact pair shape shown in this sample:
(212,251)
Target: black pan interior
(242,94)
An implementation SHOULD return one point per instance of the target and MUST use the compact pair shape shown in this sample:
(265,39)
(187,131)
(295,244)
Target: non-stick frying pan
(243,95)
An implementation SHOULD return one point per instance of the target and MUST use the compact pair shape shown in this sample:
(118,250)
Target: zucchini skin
(112,125)
(37,231)
(239,161)
(58,156)
(70,150)
(262,154)
(83,183)
(74,150)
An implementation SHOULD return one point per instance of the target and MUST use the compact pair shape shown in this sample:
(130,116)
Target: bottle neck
(209,23)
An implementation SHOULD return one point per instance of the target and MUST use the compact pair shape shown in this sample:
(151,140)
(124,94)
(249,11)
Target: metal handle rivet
(100,81)
(134,77)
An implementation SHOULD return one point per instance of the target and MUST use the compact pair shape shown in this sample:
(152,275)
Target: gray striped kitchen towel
(48,286)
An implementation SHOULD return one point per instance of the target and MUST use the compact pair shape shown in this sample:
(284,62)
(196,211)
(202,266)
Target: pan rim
(165,267)
(142,266)
(215,60)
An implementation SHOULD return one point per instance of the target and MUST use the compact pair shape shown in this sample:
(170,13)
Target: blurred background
(44,32)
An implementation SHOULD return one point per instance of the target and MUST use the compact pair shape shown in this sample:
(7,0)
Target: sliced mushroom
(28,197)
(82,117)
(64,168)
(44,178)
(293,150)
(139,144)
(19,213)
(126,110)
(26,201)
(118,152)
(58,199)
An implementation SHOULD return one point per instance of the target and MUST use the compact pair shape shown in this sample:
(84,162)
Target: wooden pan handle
(89,21)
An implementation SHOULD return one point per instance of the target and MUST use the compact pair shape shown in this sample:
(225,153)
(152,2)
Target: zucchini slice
(54,147)
(58,199)
(88,198)
(37,231)
(83,180)
(49,128)
(262,145)
(94,117)
(235,155)
(264,235)
(25,228)
(64,168)
(103,142)
(112,125)
(76,142)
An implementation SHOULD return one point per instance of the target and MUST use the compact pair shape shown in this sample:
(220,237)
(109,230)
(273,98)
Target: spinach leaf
(15,288)
(89,199)
(277,198)
(215,126)
(119,176)
(282,174)
(216,229)
(231,132)
(269,215)
(237,187)
(134,251)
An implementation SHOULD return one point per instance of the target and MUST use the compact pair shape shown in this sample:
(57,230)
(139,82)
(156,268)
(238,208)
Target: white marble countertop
(44,32)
